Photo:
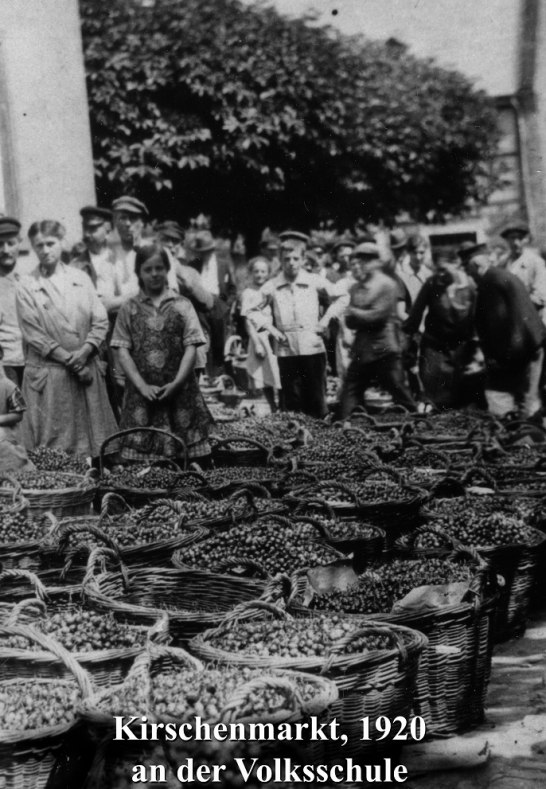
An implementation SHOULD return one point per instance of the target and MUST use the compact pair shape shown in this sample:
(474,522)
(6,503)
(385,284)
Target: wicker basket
(237,450)
(106,667)
(140,496)
(193,600)
(22,554)
(374,683)
(245,565)
(27,758)
(455,667)
(517,564)
(75,498)
(320,694)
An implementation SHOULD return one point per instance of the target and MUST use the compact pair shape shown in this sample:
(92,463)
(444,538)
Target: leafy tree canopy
(209,105)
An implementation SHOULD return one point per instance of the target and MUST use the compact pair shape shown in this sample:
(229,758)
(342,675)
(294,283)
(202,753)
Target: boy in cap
(11,338)
(526,264)
(376,354)
(293,296)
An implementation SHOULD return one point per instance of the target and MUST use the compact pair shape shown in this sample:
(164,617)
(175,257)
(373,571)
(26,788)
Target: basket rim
(417,642)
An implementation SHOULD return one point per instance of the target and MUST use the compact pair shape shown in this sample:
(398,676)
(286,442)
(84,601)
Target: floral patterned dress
(156,338)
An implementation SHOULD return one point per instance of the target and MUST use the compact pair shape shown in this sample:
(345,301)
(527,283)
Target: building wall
(45,142)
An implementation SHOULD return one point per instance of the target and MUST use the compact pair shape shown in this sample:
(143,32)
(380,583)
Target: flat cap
(294,235)
(465,248)
(515,227)
(94,212)
(343,241)
(398,238)
(171,229)
(9,226)
(129,204)
(473,249)
(366,250)
(202,241)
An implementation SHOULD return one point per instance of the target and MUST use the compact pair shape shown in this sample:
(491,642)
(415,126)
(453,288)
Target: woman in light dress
(63,324)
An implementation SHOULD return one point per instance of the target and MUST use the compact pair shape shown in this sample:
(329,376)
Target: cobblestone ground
(515,726)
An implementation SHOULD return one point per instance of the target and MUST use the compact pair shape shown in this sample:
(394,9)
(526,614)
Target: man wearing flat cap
(11,340)
(97,259)
(511,336)
(130,216)
(376,353)
(293,296)
(526,264)
(214,266)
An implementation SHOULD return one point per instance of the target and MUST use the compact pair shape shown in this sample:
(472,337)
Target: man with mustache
(10,334)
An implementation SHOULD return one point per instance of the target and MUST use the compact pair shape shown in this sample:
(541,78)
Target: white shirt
(209,275)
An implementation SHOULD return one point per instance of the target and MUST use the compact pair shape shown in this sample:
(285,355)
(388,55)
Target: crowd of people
(115,333)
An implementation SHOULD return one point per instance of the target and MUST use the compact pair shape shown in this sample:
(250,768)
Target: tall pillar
(45,142)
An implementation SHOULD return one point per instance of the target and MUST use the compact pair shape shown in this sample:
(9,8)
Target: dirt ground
(514,733)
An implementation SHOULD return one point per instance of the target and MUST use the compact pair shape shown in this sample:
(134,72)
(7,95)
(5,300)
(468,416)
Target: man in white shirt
(294,298)
(130,216)
(412,268)
(98,258)
(526,264)
(11,340)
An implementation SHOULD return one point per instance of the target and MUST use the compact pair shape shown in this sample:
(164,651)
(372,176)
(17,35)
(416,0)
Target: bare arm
(8,420)
(130,369)
(187,363)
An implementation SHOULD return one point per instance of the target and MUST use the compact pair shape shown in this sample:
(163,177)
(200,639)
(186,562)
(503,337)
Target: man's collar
(302,280)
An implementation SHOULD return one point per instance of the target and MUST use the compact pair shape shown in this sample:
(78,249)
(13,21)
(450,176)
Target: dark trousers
(303,381)
(389,374)
(15,373)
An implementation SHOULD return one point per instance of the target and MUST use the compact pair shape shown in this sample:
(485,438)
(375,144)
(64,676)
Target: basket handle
(319,504)
(480,473)
(18,608)
(361,414)
(39,588)
(305,475)
(234,706)
(101,554)
(450,542)
(70,529)
(253,488)
(342,487)
(242,610)
(373,629)
(191,474)
(251,442)
(15,484)
(50,645)
(388,470)
(158,633)
(130,430)
(110,502)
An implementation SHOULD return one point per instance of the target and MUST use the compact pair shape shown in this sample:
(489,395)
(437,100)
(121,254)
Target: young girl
(262,365)
(156,337)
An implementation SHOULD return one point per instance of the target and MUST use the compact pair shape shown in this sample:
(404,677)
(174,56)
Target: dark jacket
(508,324)
(446,326)
(374,319)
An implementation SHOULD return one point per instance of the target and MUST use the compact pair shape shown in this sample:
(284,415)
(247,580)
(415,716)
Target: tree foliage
(209,105)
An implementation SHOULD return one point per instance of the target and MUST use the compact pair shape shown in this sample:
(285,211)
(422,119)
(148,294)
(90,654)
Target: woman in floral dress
(156,337)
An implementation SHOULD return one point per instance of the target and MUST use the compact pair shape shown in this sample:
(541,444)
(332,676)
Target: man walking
(511,336)
(376,354)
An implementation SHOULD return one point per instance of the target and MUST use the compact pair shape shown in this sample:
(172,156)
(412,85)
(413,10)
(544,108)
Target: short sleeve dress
(156,338)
